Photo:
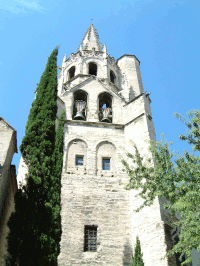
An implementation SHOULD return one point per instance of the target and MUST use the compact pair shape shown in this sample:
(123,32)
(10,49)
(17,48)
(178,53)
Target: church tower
(106,108)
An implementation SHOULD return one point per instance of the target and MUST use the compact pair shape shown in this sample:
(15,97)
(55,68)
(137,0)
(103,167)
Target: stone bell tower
(106,107)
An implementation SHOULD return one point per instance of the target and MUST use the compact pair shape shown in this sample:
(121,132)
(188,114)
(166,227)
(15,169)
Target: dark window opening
(80,104)
(106,164)
(72,72)
(112,77)
(79,160)
(90,238)
(93,69)
(105,108)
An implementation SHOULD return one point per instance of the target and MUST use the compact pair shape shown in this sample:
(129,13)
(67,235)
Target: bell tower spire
(91,40)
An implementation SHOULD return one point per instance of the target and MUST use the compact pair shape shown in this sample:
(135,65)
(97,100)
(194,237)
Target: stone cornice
(75,77)
(134,99)
(90,78)
(102,124)
(134,119)
(128,55)
(60,100)
(94,124)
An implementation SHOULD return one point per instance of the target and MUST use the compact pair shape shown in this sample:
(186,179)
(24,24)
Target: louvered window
(90,238)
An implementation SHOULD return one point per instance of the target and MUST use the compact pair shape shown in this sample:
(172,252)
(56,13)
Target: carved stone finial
(64,58)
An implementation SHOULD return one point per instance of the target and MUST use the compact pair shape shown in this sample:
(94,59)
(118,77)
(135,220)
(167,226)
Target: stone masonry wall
(8,208)
(7,148)
(94,197)
(129,65)
(8,184)
(100,201)
(148,224)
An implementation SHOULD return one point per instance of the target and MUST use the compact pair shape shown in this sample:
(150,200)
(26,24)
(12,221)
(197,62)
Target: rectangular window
(90,238)
(79,160)
(106,164)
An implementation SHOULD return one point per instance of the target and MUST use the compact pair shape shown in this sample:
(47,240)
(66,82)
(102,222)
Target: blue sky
(163,34)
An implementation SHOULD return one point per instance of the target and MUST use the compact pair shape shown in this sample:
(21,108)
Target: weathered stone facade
(8,182)
(91,194)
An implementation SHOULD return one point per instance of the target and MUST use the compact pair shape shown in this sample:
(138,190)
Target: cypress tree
(55,188)
(30,238)
(137,259)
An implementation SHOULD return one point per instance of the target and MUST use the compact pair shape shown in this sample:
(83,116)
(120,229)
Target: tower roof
(91,40)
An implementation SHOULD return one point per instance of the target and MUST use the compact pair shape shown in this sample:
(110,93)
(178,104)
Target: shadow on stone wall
(1,168)
(128,252)
(132,93)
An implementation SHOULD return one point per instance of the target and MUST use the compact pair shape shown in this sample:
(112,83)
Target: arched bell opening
(93,69)
(79,106)
(112,77)
(71,72)
(105,108)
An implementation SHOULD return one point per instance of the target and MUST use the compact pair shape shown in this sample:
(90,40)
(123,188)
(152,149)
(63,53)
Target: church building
(106,108)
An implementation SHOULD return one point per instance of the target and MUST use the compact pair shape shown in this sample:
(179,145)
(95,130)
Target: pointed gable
(8,136)
(81,82)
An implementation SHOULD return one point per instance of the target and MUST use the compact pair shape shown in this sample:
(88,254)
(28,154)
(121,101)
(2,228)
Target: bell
(106,120)
(106,111)
(80,106)
(79,116)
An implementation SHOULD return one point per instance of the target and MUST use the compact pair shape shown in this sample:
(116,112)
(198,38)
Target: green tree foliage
(32,239)
(175,177)
(55,187)
(137,259)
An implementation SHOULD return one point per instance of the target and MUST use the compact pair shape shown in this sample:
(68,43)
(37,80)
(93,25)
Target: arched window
(76,155)
(71,72)
(93,69)
(80,104)
(112,77)
(106,158)
(105,108)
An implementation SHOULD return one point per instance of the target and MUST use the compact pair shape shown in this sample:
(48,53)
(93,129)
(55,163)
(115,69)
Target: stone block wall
(7,149)
(8,208)
(100,201)
(91,196)
(130,66)
(8,183)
